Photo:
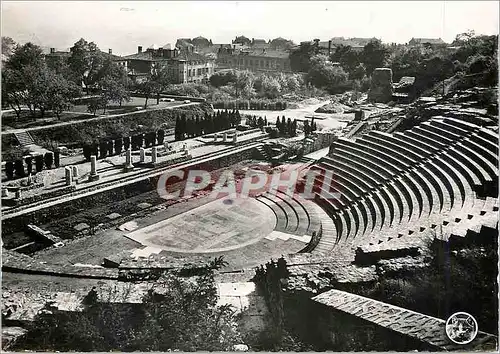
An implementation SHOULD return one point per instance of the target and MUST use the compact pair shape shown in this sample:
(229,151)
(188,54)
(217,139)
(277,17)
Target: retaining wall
(120,193)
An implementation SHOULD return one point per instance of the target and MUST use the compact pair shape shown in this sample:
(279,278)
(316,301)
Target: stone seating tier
(390,194)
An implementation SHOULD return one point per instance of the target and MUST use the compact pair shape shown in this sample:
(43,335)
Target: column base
(93,178)
(128,168)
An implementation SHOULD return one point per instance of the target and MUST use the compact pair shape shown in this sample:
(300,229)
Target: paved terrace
(430,330)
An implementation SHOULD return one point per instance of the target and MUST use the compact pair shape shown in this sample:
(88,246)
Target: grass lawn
(77,112)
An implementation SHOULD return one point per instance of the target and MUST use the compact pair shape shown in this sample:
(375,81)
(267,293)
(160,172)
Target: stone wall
(322,140)
(120,193)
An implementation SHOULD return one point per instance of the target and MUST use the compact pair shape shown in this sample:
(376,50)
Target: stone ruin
(381,86)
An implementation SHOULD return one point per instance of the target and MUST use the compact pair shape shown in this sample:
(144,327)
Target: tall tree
(300,58)
(28,81)
(86,62)
(374,55)
(8,46)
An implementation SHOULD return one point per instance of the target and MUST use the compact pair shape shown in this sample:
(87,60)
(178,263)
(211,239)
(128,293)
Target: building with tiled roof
(427,41)
(182,65)
(262,60)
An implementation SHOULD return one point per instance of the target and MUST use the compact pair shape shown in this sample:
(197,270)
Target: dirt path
(324,120)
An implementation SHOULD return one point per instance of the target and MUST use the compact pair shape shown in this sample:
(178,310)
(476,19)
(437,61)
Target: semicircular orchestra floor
(243,230)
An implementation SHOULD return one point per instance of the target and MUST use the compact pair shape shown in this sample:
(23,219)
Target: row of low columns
(142,155)
(224,137)
(71,172)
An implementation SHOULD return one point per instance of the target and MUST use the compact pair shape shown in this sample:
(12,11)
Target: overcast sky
(123,26)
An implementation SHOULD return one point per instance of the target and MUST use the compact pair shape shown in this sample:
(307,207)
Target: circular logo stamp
(461,328)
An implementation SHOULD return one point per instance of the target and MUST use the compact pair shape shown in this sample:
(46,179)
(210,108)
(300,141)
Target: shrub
(103,149)
(126,143)
(39,163)
(87,151)
(29,165)
(57,158)
(253,104)
(118,145)
(110,148)
(140,140)
(19,166)
(160,136)
(9,169)
(49,159)
(95,149)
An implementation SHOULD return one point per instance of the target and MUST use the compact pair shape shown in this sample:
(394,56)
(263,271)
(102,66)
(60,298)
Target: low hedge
(259,104)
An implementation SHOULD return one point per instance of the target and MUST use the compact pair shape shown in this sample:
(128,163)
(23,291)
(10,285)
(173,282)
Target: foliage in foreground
(177,313)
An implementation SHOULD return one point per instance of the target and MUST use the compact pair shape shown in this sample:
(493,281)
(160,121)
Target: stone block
(113,216)
(381,86)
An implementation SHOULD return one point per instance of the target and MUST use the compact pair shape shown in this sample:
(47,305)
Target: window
(189,72)
(267,63)
(251,62)
(262,63)
(199,71)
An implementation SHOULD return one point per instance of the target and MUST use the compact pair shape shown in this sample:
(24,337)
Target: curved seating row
(294,215)
(408,183)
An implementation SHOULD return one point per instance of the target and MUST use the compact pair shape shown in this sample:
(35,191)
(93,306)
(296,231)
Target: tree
(374,55)
(114,90)
(271,88)
(39,162)
(28,81)
(118,145)
(244,84)
(347,57)
(60,93)
(283,126)
(161,80)
(114,82)
(223,78)
(95,104)
(300,57)
(289,127)
(323,74)
(86,62)
(8,46)
(21,76)
(294,127)
(293,82)
(307,128)
(154,84)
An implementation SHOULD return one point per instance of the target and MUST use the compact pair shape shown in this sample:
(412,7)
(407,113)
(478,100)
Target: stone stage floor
(240,229)
(222,225)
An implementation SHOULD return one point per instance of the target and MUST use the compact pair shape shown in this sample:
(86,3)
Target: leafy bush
(176,314)
(223,78)
(49,159)
(160,136)
(39,163)
(253,104)
(19,167)
(9,169)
